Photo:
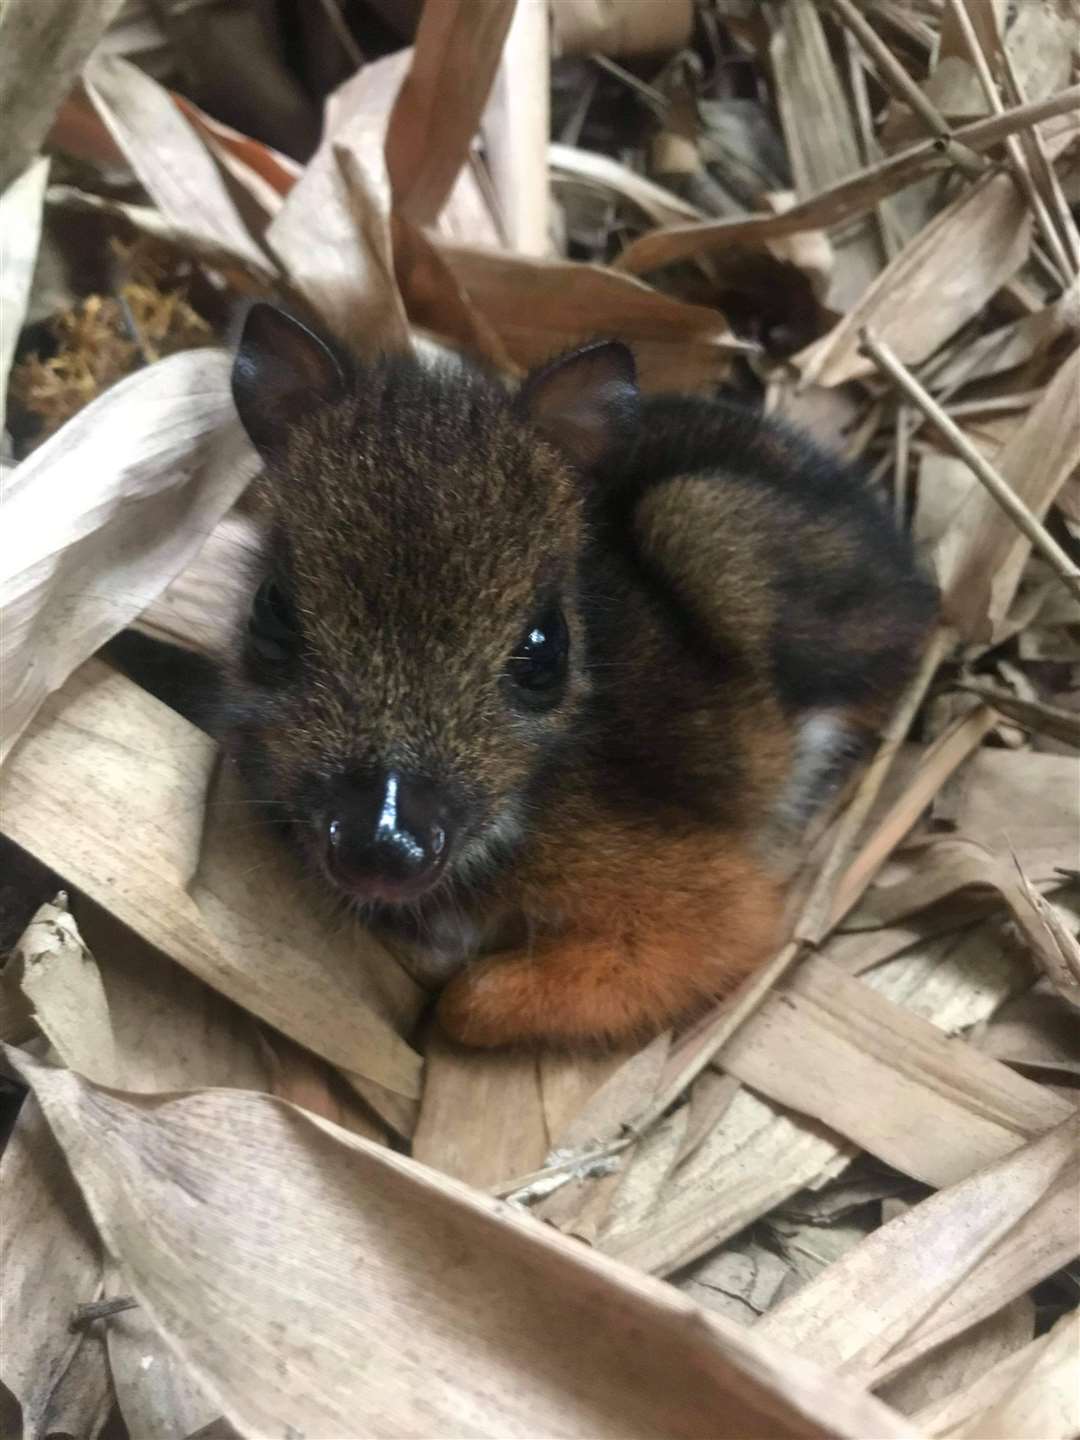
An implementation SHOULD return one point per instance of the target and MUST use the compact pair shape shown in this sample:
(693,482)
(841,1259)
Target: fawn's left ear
(585,401)
(281,372)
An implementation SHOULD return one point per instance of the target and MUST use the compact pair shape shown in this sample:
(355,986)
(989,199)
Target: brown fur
(720,579)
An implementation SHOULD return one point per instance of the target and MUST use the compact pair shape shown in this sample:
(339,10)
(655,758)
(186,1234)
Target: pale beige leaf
(1033,1395)
(460,1318)
(63,983)
(568,1083)
(51,1261)
(20,231)
(515,128)
(594,170)
(941,1267)
(227,905)
(100,518)
(168,155)
(1053,944)
(1036,462)
(940,280)
(481,1119)
(933,1108)
(647,27)
(43,46)
(438,108)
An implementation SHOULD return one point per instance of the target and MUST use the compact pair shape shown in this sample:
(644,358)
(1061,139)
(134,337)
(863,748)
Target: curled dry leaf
(100,518)
(20,231)
(63,984)
(463,1319)
(212,892)
(43,46)
(168,156)
(515,130)
(942,1266)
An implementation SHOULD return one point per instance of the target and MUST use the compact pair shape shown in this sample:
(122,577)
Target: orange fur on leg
(676,932)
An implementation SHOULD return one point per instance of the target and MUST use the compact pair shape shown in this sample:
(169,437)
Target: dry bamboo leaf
(43,46)
(820,137)
(168,156)
(438,108)
(963,1360)
(480,1117)
(1012,345)
(515,128)
(201,608)
(1020,803)
(568,1083)
(741,1281)
(753,1160)
(932,1108)
(608,27)
(62,982)
(1034,1031)
(103,515)
(224,904)
(540,307)
(303,1079)
(1036,462)
(1032,1395)
(342,264)
(943,1266)
(1053,944)
(852,197)
(155,1392)
(463,1319)
(939,281)
(20,232)
(51,1261)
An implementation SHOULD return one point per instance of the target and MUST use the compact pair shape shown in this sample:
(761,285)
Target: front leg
(642,957)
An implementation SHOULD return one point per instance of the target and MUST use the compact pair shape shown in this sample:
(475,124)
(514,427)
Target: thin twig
(903,86)
(84,1315)
(999,488)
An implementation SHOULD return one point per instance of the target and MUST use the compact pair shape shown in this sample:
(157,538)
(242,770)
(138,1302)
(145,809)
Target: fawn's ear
(281,372)
(583,402)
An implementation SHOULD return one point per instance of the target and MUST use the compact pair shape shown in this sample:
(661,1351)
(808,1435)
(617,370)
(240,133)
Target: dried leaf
(438,108)
(103,515)
(344,267)
(941,1267)
(540,307)
(168,156)
(43,46)
(440,1330)
(938,281)
(481,1120)
(62,982)
(1036,462)
(662,206)
(648,27)
(20,232)
(225,904)
(51,1262)
(1030,1396)
(515,129)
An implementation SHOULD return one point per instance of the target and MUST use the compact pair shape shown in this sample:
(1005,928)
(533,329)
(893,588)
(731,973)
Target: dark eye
(272,626)
(538,664)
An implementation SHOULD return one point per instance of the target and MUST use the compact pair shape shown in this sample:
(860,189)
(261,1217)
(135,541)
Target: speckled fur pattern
(723,581)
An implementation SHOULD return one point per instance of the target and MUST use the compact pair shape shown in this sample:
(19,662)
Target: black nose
(387,838)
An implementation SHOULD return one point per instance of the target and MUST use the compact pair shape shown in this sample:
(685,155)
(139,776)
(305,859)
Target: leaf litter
(847,1202)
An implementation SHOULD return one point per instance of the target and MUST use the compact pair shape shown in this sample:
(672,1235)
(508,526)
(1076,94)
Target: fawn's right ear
(281,372)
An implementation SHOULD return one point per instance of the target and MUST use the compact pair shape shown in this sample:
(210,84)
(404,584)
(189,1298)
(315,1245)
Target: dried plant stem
(998,487)
(84,1315)
(1017,161)
(1033,144)
(902,85)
